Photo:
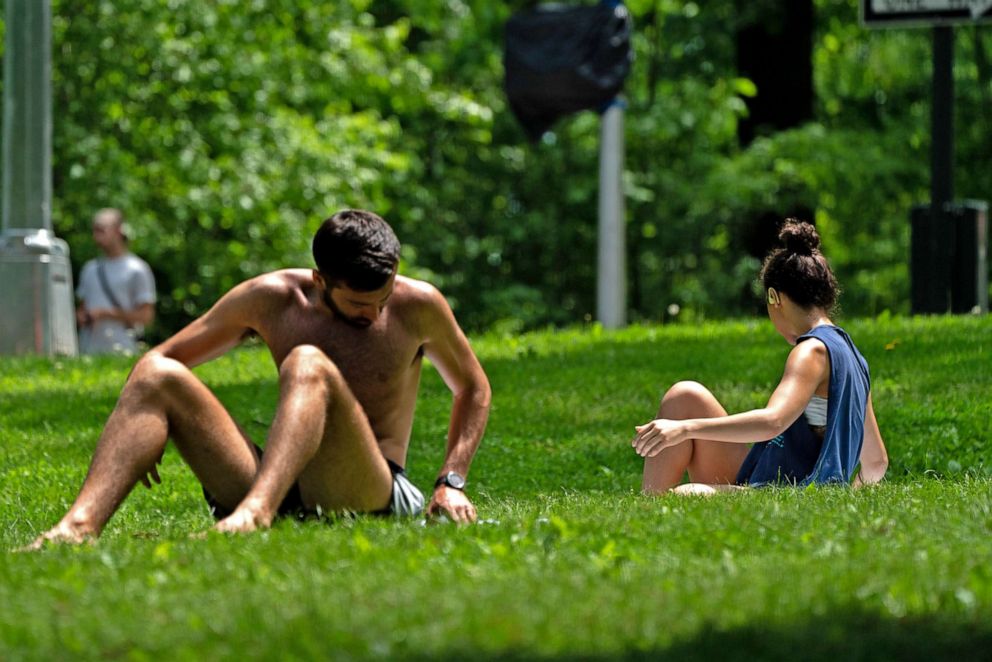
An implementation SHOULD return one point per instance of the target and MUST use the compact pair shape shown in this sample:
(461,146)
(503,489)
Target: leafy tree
(228,130)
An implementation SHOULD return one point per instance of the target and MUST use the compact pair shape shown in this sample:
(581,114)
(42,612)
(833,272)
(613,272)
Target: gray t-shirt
(131,281)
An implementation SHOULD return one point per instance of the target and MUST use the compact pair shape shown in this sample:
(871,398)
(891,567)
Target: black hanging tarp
(561,59)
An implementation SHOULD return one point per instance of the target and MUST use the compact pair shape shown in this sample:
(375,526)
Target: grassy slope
(572,561)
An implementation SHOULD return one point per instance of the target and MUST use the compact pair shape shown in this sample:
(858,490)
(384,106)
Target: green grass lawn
(569,561)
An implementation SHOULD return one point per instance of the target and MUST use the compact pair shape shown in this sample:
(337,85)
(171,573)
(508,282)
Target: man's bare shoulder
(419,300)
(422,306)
(267,296)
(281,280)
(278,284)
(416,292)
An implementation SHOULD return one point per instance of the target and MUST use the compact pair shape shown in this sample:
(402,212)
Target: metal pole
(932,245)
(27,116)
(942,118)
(35,274)
(611,290)
(941,225)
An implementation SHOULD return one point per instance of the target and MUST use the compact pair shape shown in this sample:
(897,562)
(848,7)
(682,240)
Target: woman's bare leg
(709,462)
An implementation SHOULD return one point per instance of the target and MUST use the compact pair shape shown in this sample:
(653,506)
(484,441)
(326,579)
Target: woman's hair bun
(799,237)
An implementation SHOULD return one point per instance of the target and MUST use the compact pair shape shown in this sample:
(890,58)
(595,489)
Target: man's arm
(144,315)
(83,318)
(448,349)
(220,328)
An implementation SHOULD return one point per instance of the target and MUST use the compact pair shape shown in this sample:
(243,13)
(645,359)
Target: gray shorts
(405,501)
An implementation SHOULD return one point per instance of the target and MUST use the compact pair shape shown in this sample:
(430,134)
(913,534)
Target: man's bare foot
(61,534)
(243,520)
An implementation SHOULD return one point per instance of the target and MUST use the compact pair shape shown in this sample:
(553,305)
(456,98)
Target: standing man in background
(116,292)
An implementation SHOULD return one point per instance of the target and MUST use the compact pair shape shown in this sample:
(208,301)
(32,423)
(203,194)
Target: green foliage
(228,130)
(568,562)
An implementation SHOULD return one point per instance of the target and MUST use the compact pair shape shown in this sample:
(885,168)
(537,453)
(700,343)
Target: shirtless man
(348,339)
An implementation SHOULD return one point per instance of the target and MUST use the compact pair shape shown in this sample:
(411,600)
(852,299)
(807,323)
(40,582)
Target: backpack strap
(101,274)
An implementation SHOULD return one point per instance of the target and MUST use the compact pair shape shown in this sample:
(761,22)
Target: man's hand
(452,501)
(83,317)
(656,436)
(97,314)
(247,517)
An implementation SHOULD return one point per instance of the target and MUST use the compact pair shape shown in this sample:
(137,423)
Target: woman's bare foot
(700,489)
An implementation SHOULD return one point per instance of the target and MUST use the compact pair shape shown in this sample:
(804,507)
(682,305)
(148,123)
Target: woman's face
(781,323)
(779,306)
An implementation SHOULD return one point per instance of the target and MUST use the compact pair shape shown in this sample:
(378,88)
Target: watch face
(455,480)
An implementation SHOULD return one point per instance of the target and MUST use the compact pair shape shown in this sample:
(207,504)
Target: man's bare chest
(374,361)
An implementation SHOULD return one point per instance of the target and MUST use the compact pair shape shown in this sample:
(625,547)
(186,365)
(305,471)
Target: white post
(611,289)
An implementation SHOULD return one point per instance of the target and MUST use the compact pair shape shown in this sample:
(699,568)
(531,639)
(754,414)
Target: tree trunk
(775,51)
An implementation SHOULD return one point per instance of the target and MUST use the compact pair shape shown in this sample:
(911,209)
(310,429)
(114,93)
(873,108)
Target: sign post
(937,259)
(611,286)
(561,59)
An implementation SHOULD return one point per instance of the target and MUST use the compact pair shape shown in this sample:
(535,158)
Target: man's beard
(357,322)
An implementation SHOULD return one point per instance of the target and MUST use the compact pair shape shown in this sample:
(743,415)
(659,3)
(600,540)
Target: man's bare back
(348,340)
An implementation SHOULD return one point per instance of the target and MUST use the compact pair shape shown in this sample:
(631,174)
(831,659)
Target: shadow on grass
(836,636)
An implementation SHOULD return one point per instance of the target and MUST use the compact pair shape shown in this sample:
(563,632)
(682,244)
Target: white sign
(975,7)
(924,12)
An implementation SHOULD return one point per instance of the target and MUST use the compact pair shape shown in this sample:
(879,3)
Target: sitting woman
(819,422)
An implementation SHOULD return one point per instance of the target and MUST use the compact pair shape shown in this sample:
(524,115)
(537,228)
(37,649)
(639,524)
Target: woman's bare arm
(807,367)
(874,458)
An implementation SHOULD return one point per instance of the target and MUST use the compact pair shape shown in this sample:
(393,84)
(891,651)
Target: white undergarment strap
(816,411)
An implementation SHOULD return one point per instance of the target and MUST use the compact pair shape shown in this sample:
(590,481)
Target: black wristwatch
(452,479)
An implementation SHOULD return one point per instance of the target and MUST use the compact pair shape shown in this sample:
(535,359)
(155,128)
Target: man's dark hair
(356,248)
(799,269)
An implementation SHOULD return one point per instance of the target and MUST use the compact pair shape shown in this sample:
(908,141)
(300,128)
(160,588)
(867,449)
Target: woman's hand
(659,434)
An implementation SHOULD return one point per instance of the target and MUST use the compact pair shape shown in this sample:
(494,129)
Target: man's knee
(154,373)
(306,365)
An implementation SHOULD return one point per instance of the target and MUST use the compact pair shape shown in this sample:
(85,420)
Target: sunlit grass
(569,561)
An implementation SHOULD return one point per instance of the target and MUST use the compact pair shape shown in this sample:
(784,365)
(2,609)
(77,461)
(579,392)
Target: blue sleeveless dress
(798,456)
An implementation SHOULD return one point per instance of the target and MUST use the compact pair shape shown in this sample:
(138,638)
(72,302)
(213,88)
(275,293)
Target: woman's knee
(686,393)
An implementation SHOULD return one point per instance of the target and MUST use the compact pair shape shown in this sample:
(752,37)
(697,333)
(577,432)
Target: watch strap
(445,480)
